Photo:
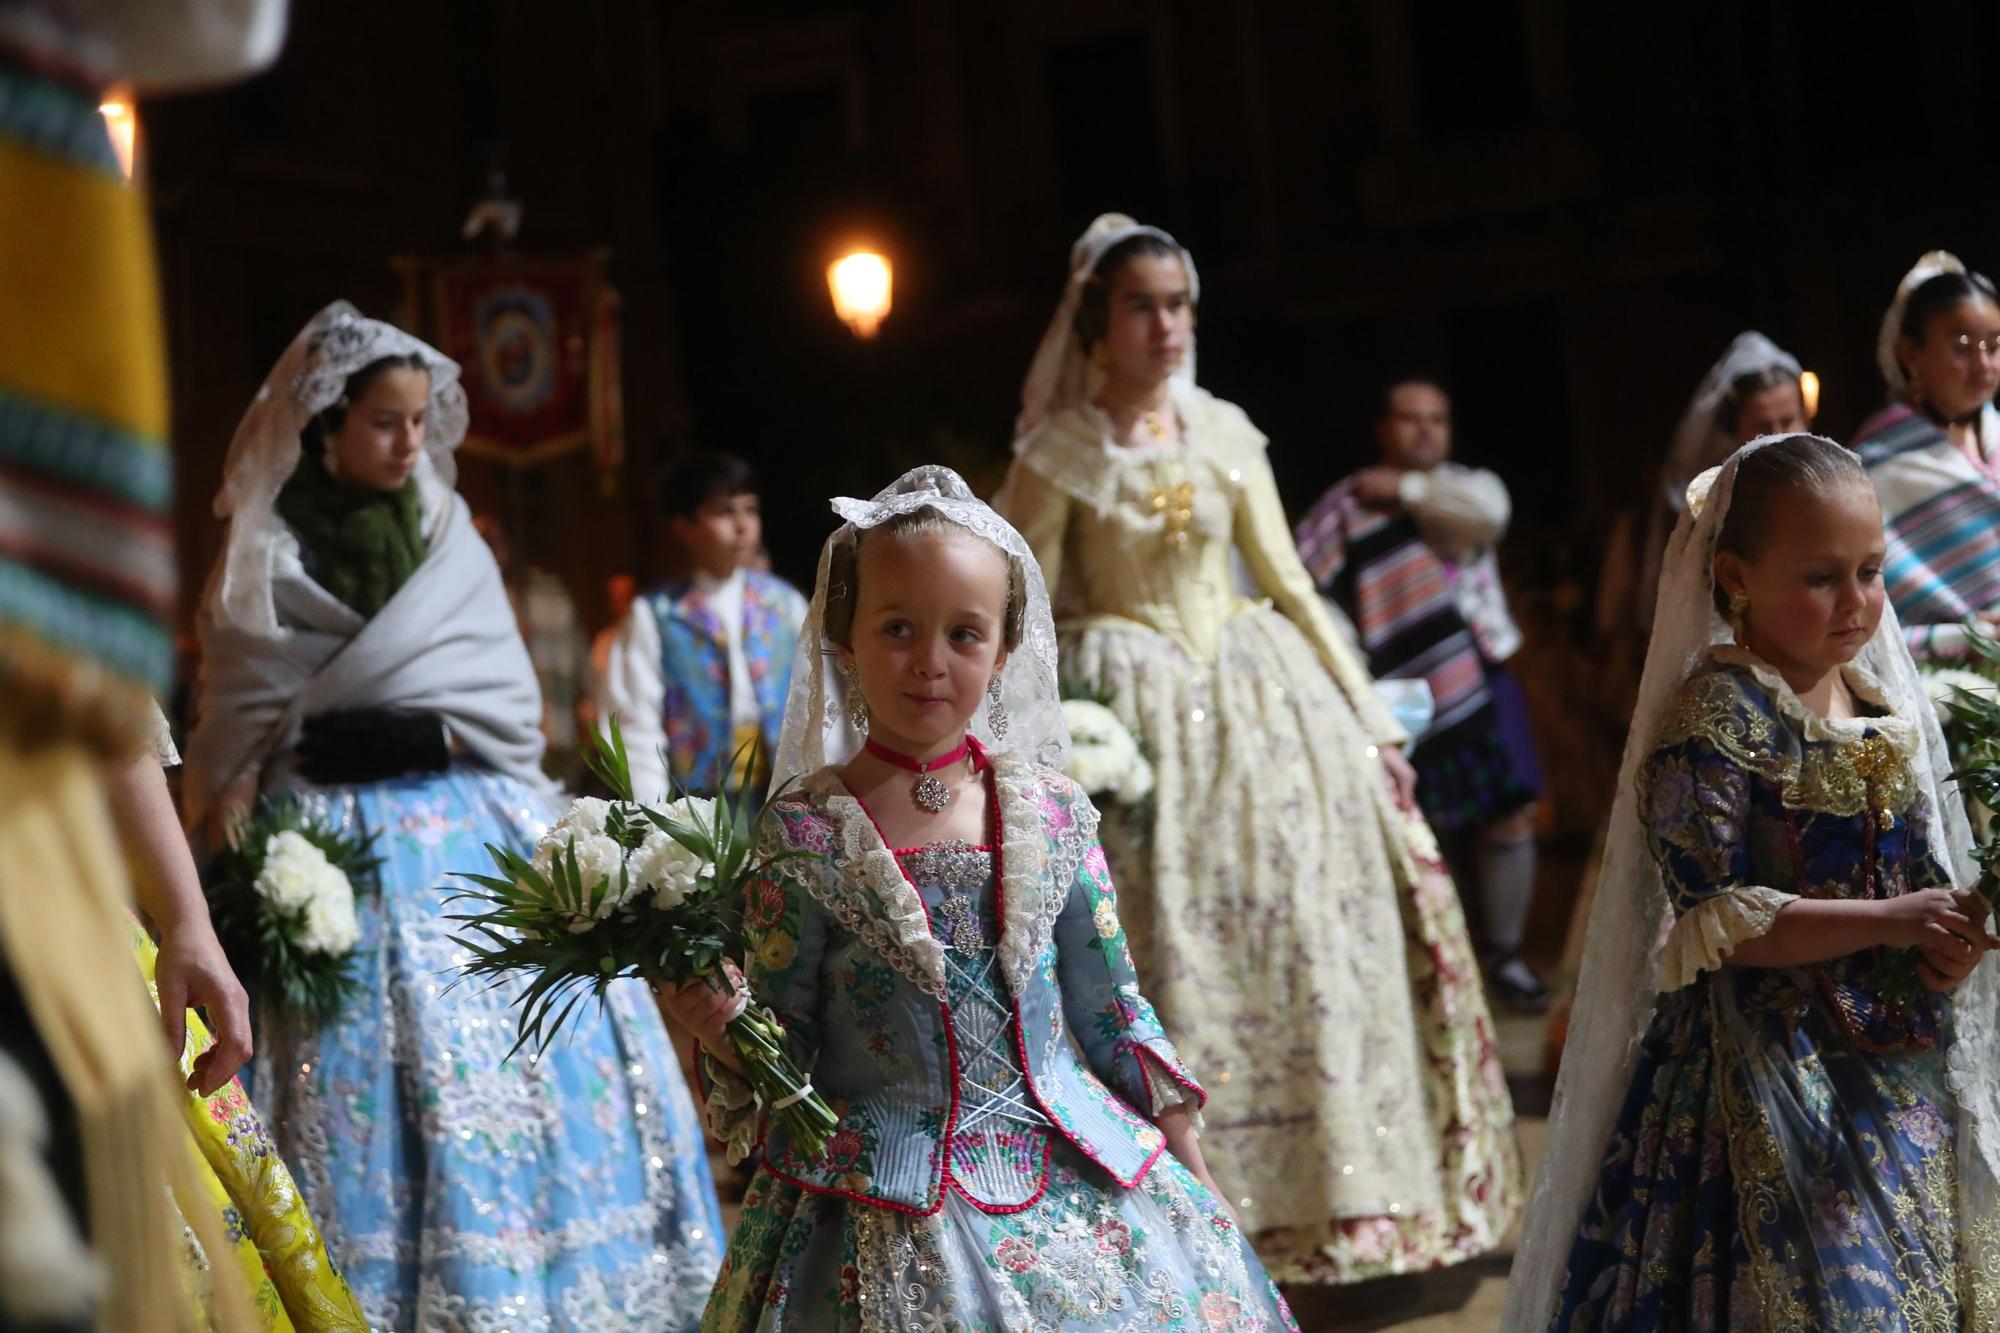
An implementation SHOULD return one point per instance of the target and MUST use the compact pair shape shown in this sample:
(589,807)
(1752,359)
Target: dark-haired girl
(1761,1117)
(1752,390)
(1934,454)
(358,648)
(1286,903)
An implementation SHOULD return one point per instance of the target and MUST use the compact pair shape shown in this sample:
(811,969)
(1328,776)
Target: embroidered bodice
(1000,1137)
(953,1039)
(1146,535)
(1753,800)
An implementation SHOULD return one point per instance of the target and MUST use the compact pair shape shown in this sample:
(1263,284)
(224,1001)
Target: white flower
(330,926)
(667,868)
(1103,756)
(297,879)
(1942,683)
(586,814)
(663,865)
(599,860)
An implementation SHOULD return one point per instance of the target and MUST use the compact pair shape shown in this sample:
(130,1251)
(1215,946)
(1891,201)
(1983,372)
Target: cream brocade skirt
(1297,931)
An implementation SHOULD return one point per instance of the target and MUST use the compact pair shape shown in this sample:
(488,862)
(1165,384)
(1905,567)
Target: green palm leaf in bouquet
(1967,695)
(620,889)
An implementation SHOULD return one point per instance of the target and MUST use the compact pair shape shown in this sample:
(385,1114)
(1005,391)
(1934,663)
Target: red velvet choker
(930,794)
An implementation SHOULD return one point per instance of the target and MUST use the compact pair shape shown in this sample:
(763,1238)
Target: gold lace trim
(1844,768)
(1073,452)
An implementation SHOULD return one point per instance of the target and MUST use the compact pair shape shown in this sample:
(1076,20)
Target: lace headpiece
(1061,375)
(817,731)
(309,378)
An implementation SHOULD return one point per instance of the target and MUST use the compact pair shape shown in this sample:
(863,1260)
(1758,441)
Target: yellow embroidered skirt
(273,1242)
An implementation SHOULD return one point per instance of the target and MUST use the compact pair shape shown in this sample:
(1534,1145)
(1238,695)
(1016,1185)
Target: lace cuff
(1699,939)
(162,743)
(1164,1091)
(730,1109)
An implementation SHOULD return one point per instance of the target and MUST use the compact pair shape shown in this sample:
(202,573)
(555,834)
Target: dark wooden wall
(1565,208)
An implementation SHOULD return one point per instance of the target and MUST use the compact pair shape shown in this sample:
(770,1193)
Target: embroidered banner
(536,336)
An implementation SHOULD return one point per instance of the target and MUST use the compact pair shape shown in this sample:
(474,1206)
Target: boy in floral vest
(701,663)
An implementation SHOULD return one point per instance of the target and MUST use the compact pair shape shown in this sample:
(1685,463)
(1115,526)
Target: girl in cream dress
(1286,903)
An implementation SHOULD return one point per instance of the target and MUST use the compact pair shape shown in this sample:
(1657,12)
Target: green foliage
(522,927)
(1089,691)
(1972,735)
(260,939)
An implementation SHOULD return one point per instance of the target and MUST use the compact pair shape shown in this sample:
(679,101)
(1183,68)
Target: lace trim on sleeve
(1700,940)
(1165,1091)
(730,1109)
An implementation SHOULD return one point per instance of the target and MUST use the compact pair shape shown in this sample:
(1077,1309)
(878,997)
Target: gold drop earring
(1739,613)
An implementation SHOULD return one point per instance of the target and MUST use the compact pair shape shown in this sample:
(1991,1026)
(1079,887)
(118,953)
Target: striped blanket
(1942,514)
(86,553)
(1397,592)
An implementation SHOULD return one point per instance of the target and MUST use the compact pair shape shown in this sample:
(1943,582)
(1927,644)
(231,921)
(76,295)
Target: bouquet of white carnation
(282,899)
(1103,757)
(619,889)
(1944,684)
(611,876)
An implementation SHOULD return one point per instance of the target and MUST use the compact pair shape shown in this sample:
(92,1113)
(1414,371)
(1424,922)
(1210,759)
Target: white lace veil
(817,731)
(309,378)
(1929,266)
(1700,441)
(1061,375)
(1631,917)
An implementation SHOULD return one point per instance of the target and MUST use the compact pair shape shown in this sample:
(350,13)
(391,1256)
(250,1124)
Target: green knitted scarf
(358,543)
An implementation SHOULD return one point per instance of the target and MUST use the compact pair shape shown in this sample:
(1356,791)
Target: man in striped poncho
(1405,550)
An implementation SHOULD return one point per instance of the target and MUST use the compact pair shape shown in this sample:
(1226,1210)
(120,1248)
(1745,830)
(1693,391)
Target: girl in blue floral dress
(358,649)
(952,931)
(1790,1143)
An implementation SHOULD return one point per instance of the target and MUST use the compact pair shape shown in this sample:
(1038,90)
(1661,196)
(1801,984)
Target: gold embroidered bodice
(1146,535)
(1844,768)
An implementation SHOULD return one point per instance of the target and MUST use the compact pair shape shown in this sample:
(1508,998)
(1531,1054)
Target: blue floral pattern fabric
(562,1191)
(817,939)
(1029,1233)
(1787,1153)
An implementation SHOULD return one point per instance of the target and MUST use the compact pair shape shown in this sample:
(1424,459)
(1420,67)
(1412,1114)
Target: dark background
(1563,209)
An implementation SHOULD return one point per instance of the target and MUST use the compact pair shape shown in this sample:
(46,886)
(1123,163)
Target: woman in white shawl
(358,648)
(1769,1115)
(1286,904)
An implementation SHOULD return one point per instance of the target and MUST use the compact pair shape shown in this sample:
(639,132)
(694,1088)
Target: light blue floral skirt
(1086,1255)
(458,1190)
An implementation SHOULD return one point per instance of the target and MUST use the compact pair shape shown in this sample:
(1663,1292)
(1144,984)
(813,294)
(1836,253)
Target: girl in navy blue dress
(1774,1128)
